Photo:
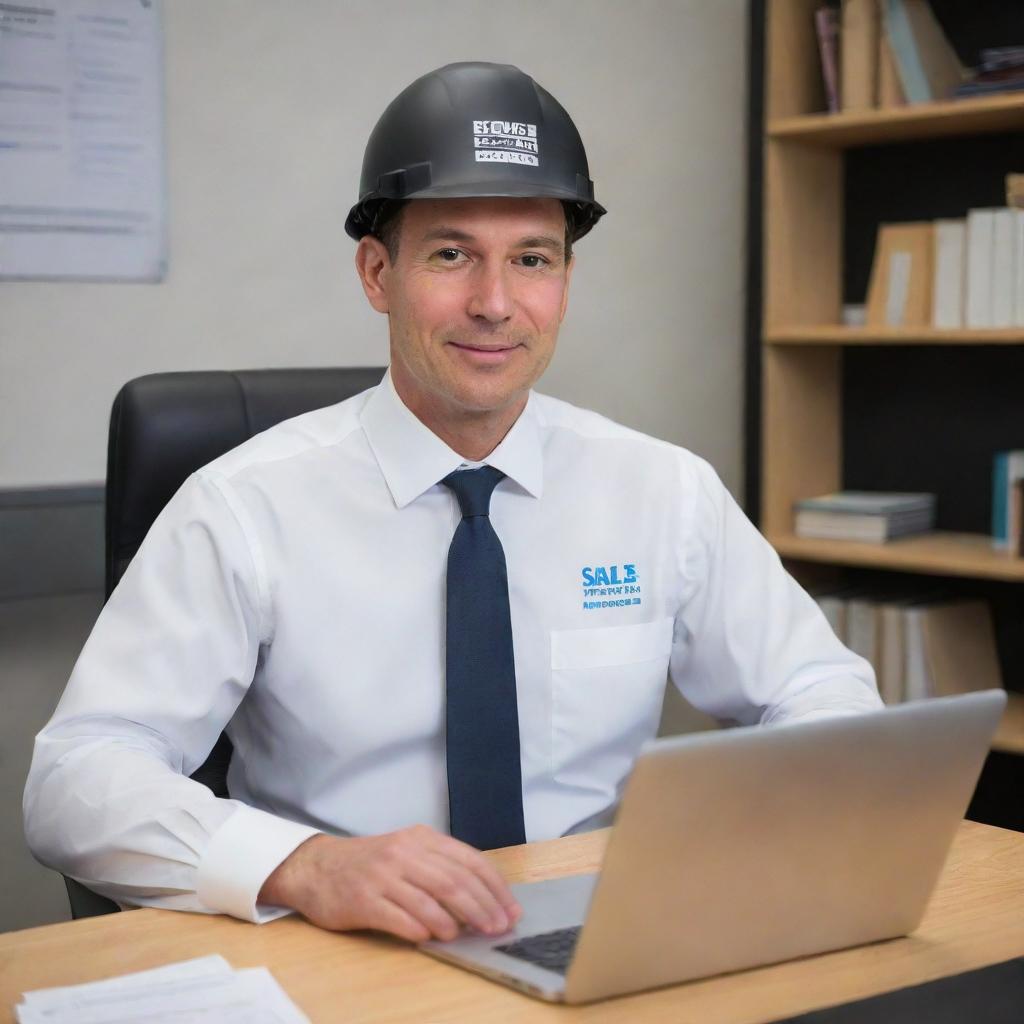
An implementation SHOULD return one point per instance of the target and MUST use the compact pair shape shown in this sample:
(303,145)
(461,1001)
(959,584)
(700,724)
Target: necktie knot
(473,488)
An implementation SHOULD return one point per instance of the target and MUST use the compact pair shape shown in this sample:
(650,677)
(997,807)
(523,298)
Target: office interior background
(267,109)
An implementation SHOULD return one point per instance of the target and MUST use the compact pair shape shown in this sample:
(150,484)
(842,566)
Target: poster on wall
(82,192)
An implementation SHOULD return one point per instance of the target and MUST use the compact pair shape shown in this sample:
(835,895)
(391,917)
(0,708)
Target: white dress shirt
(293,592)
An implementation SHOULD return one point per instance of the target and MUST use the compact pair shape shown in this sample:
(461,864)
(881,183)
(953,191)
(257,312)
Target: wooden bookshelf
(805,352)
(802,363)
(934,554)
(837,334)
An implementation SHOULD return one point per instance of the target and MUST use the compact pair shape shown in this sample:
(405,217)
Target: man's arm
(751,644)
(108,800)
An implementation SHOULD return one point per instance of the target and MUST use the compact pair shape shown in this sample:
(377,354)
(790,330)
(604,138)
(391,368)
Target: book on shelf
(949,270)
(995,268)
(920,644)
(927,64)
(890,88)
(1017,546)
(1007,518)
(858,47)
(868,516)
(900,288)
(890,671)
(1018,266)
(862,634)
(1004,275)
(826,25)
(980,248)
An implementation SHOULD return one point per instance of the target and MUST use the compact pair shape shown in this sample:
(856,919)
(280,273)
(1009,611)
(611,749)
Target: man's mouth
(474,347)
(490,355)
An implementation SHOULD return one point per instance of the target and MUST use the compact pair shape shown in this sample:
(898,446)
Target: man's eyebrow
(443,233)
(543,242)
(447,234)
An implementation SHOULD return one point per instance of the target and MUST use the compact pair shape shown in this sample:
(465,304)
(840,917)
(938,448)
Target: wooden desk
(976,917)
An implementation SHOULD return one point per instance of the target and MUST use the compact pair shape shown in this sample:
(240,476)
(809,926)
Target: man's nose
(491,296)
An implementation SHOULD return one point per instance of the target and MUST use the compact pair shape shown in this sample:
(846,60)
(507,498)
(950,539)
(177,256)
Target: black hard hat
(474,129)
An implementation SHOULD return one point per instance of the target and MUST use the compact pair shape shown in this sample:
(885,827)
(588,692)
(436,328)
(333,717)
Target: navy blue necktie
(485,787)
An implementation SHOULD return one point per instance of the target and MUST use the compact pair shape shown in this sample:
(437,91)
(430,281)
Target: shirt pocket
(607,688)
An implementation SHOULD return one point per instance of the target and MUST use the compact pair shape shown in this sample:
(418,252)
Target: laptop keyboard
(552,950)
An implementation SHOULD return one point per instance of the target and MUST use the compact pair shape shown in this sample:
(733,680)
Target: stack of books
(1001,70)
(869,516)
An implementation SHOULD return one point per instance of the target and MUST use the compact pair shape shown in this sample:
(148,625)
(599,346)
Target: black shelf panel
(931,419)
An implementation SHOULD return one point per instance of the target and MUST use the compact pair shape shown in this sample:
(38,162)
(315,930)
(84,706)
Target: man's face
(474,300)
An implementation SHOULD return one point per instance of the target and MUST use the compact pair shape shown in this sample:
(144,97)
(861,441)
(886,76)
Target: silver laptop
(750,846)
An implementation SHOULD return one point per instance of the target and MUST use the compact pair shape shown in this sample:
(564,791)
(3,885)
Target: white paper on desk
(81,141)
(200,967)
(187,995)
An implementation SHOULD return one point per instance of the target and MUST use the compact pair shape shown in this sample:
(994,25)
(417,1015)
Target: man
(448,605)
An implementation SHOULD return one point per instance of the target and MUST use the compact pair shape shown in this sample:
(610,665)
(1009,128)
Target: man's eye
(449,255)
(532,261)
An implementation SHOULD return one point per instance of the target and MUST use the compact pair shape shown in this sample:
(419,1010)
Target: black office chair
(163,427)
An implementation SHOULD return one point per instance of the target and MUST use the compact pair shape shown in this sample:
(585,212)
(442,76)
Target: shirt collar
(413,458)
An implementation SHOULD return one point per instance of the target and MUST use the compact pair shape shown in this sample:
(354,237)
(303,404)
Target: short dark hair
(387,226)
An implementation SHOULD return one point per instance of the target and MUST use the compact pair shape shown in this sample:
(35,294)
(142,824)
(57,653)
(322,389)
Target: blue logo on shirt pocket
(610,586)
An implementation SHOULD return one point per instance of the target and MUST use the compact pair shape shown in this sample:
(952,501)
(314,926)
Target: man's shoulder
(584,426)
(593,439)
(302,435)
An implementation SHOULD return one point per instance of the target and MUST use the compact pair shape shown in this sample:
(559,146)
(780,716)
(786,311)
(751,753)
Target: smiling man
(436,618)
(474,300)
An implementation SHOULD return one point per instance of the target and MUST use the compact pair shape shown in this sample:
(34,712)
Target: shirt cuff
(241,856)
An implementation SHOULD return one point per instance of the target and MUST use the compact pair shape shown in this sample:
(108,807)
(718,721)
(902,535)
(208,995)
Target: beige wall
(268,107)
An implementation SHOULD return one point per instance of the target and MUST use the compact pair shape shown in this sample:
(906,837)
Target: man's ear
(565,291)
(373,265)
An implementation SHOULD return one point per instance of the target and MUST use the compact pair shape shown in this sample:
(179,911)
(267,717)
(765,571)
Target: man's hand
(415,883)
